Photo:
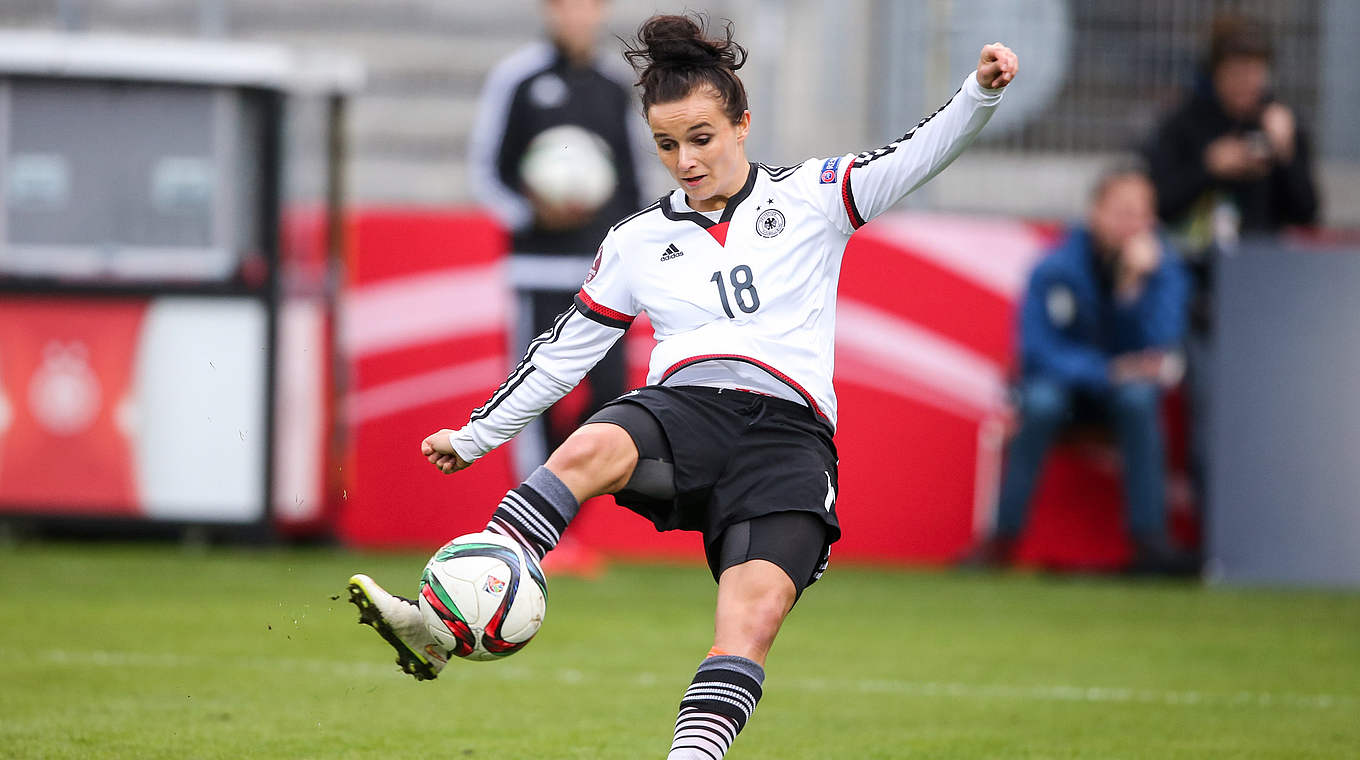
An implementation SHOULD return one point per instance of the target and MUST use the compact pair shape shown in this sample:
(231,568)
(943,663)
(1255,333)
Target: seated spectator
(1099,325)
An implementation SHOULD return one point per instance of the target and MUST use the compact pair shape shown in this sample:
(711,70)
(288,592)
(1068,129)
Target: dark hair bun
(674,56)
(680,42)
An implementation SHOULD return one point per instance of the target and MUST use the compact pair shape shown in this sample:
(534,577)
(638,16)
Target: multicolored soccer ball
(481,598)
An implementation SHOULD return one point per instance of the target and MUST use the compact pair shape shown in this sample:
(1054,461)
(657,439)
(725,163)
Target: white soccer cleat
(399,622)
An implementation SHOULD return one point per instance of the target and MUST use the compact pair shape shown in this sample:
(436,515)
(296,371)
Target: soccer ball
(481,598)
(569,165)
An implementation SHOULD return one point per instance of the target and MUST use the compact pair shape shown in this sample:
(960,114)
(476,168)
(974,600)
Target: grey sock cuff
(554,491)
(749,668)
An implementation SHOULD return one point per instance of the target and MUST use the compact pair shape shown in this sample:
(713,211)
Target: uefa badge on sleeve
(769,223)
(595,267)
(829,168)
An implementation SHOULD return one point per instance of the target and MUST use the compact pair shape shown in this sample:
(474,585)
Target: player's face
(701,147)
(1127,208)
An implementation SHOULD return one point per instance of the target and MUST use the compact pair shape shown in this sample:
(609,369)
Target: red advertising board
(66,377)
(147,407)
(925,336)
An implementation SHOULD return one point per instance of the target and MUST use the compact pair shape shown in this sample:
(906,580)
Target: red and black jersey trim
(602,314)
(873,155)
(776,374)
(848,198)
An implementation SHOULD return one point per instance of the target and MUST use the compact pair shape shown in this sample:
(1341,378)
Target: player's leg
(596,459)
(753,599)
(755,586)
(398,620)
(758,561)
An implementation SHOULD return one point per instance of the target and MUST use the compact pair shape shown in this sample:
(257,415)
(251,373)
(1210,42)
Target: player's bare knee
(772,607)
(604,454)
(751,631)
(753,609)
(766,615)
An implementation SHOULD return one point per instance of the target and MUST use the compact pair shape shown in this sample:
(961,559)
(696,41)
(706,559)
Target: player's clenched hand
(439,451)
(997,66)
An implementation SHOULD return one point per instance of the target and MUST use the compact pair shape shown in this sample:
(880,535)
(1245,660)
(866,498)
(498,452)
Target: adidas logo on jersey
(671,252)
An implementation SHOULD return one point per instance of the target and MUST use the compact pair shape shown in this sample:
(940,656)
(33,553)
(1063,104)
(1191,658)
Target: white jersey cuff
(984,95)
(464,447)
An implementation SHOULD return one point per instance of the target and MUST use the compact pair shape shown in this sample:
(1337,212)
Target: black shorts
(733,457)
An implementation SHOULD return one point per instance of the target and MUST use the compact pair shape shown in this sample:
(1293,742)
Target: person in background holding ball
(737,270)
(551,92)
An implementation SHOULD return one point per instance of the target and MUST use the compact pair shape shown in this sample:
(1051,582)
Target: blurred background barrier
(1286,422)
(168,288)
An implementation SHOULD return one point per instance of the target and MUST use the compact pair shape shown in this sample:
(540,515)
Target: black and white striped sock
(716,707)
(535,512)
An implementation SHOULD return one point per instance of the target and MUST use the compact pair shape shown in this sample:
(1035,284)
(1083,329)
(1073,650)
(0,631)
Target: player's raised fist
(438,450)
(997,66)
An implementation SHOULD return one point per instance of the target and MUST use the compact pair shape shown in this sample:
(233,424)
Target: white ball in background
(569,165)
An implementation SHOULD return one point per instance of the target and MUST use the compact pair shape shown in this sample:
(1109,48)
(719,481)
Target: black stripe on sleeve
(504,393)
(523,369)
(780,173)
(867,156)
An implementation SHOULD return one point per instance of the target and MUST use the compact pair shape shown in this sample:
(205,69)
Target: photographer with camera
(1231,161)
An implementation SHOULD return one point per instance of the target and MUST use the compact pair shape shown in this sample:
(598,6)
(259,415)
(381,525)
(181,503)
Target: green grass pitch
(157,652)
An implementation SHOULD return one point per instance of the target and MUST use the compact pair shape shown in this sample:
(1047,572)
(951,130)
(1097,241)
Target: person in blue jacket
(1100,325)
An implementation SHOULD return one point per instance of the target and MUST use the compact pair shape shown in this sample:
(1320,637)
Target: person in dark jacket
(555,82)
(1230,161)
(1099,327)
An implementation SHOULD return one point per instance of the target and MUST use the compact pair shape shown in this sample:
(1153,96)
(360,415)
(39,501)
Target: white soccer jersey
(754,289)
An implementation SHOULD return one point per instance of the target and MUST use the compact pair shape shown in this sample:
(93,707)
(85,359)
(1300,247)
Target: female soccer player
(732,437)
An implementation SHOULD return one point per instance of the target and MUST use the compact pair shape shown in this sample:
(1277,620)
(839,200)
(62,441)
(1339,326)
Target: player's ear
(743,126)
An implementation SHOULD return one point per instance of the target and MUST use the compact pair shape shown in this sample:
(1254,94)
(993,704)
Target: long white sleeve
(552,365)
(875,180)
